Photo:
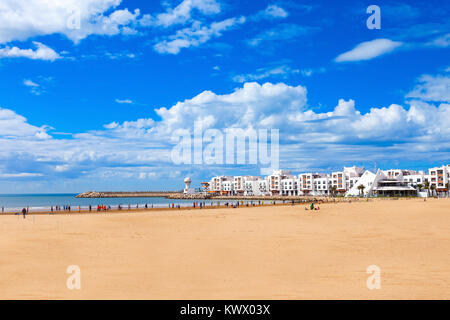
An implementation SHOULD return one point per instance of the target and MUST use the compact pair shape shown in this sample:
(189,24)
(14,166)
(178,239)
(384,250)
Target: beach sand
(280,252)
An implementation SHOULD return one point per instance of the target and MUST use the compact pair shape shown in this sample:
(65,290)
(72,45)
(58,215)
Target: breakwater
(133,194)
(181,196)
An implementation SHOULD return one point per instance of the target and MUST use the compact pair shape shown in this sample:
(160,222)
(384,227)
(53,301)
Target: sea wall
(136,194)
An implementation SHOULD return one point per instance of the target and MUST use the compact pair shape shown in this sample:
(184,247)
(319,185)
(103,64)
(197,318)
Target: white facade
(346,182)
(346,179)
(289,186)
(322,185)
(221,184)
(274,181)
(368,180)
(439,178)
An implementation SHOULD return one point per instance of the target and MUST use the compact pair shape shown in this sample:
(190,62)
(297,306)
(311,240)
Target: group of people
(201,205)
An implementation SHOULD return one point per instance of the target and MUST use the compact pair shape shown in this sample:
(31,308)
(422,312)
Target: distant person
(24,212)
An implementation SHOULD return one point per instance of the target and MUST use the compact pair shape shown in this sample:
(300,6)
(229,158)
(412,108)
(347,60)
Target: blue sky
(81,108)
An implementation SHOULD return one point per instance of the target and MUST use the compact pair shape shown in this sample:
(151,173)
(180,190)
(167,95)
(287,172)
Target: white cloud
(369,50)
(195,35)
(263,73)
(20,175)
(34,87)
(76,19)
(432,88)
(282,72)
(30,83)
(270,13)
(308,138)
(41,53)
(275,12)
(183,12)
(13,125)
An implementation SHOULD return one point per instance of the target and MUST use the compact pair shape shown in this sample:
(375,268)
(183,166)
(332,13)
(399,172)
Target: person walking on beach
(24,212)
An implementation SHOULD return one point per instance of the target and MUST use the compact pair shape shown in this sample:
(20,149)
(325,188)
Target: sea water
(44,202)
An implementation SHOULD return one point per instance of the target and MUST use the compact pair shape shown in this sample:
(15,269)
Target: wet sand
(272,252)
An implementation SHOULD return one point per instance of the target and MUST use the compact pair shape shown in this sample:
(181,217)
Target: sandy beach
(279,252)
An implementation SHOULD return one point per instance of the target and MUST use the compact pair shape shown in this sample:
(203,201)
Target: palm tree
(361,188)
(446,187)
(333,190)
(432,188)
(427,187)
(419,187)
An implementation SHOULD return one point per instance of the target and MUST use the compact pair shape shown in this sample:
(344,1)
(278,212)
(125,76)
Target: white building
(221,184)
(439,178)
(382,184)
(258,187)
(344,180)
(289,186)
(395,182)
(274,181)
(368,180)
(321,185)
(242,184)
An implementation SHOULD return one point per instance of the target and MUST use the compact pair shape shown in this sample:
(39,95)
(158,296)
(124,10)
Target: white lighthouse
(187,185)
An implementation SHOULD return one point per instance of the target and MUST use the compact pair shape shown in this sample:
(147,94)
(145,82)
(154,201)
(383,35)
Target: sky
(94,93)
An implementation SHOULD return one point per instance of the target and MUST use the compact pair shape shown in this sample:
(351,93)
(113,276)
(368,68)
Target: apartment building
(321,185)
(241,183)
(289,186)
(347,181)
(274,181)
(439,178)
(344,180)
(221,184)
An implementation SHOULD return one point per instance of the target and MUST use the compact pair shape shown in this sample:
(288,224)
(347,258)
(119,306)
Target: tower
(187,184)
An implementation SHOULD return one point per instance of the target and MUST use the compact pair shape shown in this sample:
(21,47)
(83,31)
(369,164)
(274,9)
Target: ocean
(43,202)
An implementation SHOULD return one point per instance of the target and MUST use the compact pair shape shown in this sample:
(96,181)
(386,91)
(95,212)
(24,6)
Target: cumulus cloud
(308,139)
(76,19)
(369,50)
(13,125)
(42,52)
